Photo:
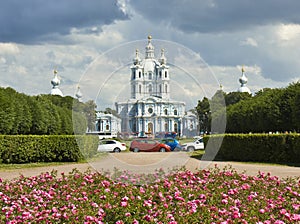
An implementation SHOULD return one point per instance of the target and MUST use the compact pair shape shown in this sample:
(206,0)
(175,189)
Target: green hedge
(271,148)
(46,148)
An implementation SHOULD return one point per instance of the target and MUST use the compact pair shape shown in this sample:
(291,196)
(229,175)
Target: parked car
(166,135)
(172,142)
(111,146)
(148,145)
(195,145)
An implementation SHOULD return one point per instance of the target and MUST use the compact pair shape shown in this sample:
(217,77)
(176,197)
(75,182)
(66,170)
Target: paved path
(149,162)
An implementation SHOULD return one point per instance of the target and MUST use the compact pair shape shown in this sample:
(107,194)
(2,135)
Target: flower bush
(205,196)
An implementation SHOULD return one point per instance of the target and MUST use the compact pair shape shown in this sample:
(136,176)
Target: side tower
(243,80)
(55,83)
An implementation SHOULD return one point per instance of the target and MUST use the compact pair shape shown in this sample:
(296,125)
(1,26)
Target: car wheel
(136,150)
(190,149)
(162,150)
(117,150)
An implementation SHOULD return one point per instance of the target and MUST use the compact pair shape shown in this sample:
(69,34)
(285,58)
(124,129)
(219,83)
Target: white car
(111,146)
(191,146)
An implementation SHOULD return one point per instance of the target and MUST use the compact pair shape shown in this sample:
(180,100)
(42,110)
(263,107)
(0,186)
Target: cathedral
(150,109)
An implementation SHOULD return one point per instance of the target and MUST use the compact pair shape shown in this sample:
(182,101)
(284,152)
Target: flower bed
(206,196)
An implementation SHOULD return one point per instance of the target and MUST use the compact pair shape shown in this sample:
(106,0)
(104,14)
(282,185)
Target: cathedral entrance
(150,128)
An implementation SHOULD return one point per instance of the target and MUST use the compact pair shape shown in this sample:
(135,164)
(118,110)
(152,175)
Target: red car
(148,145)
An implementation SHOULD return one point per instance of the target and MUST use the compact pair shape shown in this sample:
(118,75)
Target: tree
(235,97)
(203,111)
(7,112)
(22,109)
(90,113)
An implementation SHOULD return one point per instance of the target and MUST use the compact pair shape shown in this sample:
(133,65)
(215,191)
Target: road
(149,162)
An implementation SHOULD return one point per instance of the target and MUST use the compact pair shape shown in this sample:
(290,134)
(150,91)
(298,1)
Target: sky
(92,43)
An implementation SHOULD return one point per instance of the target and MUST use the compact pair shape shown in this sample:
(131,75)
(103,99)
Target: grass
(197,154)
(5,167)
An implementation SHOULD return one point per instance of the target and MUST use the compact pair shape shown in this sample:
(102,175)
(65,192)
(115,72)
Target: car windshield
(106,142)
(150,141)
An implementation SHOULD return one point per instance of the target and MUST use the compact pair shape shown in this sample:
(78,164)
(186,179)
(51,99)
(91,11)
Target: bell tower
(150,77)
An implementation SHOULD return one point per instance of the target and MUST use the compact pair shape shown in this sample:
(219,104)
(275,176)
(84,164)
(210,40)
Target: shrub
(46,148)
(273,148)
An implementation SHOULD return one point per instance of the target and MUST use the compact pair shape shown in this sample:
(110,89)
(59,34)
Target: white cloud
(287,32)
(249,42)
(9,49)
(2,60)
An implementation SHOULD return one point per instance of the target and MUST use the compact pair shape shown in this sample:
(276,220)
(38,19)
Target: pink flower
(123,203)
(295,217)
(224,201)
(245,186)
(262,211)
(148,203)
(283,211)
(142,190)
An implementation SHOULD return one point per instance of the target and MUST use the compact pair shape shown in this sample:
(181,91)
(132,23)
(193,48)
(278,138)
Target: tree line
(43,114)
(269,110)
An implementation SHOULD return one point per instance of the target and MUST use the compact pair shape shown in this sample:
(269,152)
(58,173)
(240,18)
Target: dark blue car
(172,142)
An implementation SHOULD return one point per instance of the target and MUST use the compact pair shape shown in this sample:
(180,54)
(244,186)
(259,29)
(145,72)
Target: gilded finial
(243,70)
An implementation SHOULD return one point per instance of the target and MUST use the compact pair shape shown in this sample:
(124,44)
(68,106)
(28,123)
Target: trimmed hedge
(46,148)
(271,148)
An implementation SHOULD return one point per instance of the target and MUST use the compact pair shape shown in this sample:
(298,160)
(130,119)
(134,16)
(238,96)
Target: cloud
(9,49)
(288,32)
(212,16)
(36,20)
(249,42)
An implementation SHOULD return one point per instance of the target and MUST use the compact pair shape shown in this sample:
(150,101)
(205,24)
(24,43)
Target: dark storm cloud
(27,21)
(219,15)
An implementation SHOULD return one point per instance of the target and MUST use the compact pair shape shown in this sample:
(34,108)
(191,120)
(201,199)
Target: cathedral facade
(150,109)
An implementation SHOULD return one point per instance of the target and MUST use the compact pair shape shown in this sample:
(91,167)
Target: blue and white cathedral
(150,109)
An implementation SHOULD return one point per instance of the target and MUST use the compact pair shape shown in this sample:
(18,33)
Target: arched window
(166,111)
(140,74)
(159,74)
(134,127)
(166,88)
(133,75)
(107,127)
(150,75)
(150,89)
(176,127)
(140,89)
(166,74)
(175,112)
(166,127)
(150,127)
(160,88)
